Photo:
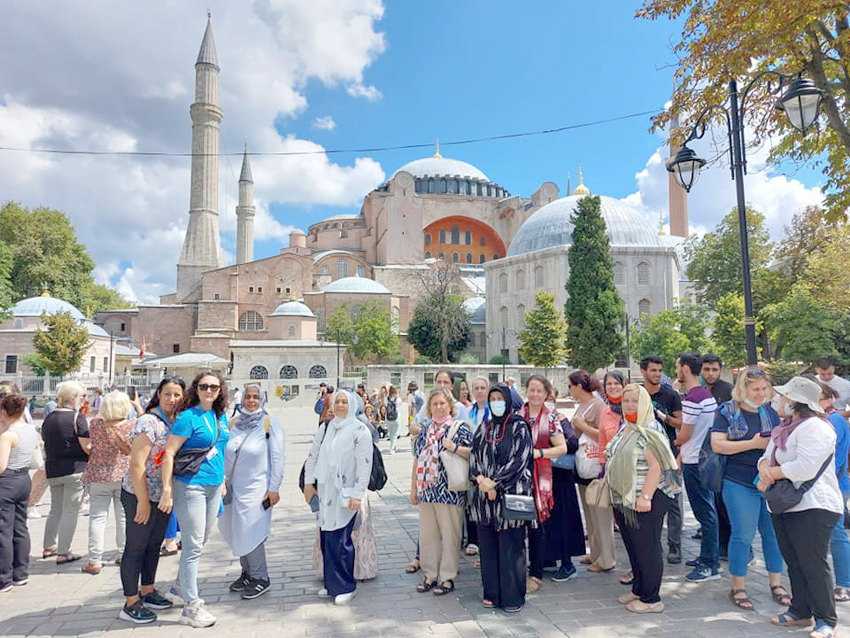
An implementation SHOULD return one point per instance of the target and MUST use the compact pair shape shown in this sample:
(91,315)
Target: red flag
(142,351)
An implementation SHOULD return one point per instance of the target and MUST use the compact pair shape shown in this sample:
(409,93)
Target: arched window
(468,237)
(442,237)
(455,258)
(520,279)
(455,234)
(318,372)
(427,238)
(471,342)
(441,186)
(341,268)
(520,316)
(394,319)
(259,372)
(503,282)
(361,271)
(619,274)
(320,319)
(452,184)
(291,330)
(496,255)
(469,258)
(324,270)
(644,307)
(643,273)
(503,316)
(441,256)
(427,254)
(538,276)
(250,322)
(483,339)
(289,372)
(483,240)
(481,258)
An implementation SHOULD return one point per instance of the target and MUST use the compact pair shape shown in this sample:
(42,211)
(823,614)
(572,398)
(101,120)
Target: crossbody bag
(188,461)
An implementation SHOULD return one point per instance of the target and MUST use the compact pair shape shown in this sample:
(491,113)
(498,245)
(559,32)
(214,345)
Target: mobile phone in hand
(267,503)
(314,503)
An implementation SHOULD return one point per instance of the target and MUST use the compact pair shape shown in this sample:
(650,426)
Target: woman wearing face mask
(440,509)
(741,431)
(802,449)
(641,474)
(499,464)
(547,436)
(600,424)
(479,412)
(340,462)
(253,465)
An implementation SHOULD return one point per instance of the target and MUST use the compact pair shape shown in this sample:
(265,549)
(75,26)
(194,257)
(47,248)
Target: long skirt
(563,534)
(365,547)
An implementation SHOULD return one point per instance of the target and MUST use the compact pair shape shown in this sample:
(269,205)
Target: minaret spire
(245,212)
(201,246)
(581,189)
(569,183)
(437,148)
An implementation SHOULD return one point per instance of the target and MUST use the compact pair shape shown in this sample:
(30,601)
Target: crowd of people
(514,481)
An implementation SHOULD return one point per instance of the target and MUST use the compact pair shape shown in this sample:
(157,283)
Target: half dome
(356,285)
(45,305)
(292,309)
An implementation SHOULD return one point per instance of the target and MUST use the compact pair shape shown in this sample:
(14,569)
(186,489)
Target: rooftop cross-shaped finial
(437,149)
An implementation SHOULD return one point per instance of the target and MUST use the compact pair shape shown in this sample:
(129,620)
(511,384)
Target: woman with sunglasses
(200,431)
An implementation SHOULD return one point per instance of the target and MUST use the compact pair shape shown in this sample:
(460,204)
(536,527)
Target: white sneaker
(175,594)
(32,512)
(323,593)
(196,615)
(344,599)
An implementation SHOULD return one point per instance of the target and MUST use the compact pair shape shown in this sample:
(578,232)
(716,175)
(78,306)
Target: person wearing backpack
(393,404)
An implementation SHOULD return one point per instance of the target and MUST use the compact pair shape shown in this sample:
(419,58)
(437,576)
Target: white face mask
(497,408)
(752,404)
(550,405)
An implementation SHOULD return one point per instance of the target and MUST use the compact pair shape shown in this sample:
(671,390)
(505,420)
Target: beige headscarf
(621,470)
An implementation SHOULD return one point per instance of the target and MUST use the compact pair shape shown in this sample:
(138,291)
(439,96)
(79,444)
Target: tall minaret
(677,196)
(201,246)
(245,213)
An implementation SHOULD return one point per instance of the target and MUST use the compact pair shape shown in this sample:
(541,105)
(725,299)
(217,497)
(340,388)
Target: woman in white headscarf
(253,470)
(339,463)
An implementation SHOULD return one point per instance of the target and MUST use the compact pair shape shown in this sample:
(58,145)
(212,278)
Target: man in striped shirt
(698,409)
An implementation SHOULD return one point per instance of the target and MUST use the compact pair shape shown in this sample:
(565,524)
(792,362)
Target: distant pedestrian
(825,370)
(392,410)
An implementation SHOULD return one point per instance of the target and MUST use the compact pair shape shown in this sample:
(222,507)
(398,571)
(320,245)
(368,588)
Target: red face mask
(615,399)
(631,417)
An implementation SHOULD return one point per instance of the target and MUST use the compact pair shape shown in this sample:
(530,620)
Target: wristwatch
(645,497)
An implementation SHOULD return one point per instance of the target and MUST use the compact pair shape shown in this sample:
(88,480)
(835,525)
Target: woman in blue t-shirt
(741,432)
(201,429)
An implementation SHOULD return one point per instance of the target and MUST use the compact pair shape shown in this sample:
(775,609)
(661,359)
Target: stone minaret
(678,197)
(245,214)
(201,246)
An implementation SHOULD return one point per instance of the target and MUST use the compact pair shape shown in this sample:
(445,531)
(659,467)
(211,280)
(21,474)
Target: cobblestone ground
(62,601)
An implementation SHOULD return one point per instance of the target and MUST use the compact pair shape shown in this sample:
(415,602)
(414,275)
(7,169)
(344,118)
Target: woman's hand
(491,494)
(579,423)
(309,493)
(446,442)
(224,488)
(762,486)
(486,484)
(143,511)
(165,502)
(414,497)
(643,505)
(274,497)
(354,504)
(765,476)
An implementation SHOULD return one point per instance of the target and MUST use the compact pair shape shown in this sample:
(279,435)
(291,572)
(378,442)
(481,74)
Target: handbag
(598,494)
(378,475)
(782,495)
(518,507)
(187,462)
(712,466)
(457,467)
(587,458)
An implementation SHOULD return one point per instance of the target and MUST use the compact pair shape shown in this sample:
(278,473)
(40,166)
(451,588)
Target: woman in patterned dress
(500,463)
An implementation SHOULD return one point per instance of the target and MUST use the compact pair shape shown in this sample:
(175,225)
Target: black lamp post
(800,102)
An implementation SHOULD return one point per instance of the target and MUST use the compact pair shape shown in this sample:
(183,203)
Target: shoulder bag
(457,467)
(782,495)
(378,475)
(712,466)
(587,463)
(518,507)
(188,461)
(598,494)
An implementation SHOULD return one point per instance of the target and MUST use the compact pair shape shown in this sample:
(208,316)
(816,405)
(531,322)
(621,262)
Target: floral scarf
(428,462)
(737,430)
(544,498)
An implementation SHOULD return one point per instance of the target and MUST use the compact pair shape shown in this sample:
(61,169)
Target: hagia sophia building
(505,247)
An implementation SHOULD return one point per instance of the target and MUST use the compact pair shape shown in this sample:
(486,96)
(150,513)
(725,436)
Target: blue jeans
(748,511)
(196,507)
(702,504)
(839,545)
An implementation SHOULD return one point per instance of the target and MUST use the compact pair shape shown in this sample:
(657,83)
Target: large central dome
(441,167)
(551,226)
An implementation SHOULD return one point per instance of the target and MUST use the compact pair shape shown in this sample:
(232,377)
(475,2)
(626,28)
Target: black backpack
(392,410)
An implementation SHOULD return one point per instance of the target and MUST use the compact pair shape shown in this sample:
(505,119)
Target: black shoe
(155,600)
(240,583)
(138,614)
(674,556)
(698,535)
(255,588)
(692,563)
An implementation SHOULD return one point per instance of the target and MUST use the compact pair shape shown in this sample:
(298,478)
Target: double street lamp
(800,101)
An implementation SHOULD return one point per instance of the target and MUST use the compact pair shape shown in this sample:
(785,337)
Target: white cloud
(324,123)
(126,86)
(369,92)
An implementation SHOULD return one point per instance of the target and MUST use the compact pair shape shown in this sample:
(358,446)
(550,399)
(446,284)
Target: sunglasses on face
(755,373)
(208,387)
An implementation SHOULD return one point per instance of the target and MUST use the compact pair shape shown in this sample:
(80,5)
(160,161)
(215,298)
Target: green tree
(542,338)
(669,333)
(374,331)
(36,363)
(440,327)
(594,310)
(714,260)
(7,294)
(340,328)
(827,275)
(728,331)
(801,327)
(63,344)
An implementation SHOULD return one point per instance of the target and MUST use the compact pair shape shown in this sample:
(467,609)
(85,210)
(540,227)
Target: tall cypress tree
(594,310)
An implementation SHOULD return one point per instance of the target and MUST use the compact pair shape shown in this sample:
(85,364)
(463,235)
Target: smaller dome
(95,330)
(356,285)
(292,309)
(476,308)
(45,305)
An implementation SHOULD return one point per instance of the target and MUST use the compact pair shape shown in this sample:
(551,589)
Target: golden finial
(581,189)
(437,150)
(661,232)
(209,14)
(44,292)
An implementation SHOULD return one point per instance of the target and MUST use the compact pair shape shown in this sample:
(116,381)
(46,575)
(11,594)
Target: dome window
(318,372)
(289,372)
(250,322)
(259,372)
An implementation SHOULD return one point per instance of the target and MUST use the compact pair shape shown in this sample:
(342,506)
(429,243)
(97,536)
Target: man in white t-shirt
(698,409)
(825,370)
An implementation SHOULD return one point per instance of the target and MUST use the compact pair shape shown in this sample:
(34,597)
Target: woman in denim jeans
(196,498)
(741,432)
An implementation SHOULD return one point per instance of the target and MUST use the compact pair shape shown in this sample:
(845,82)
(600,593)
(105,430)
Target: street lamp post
(111,339)
(800,102)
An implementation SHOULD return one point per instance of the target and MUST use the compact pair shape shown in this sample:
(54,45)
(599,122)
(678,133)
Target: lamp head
(685,167)
(801,102)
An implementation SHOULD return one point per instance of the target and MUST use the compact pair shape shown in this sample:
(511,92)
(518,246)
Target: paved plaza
(62,601)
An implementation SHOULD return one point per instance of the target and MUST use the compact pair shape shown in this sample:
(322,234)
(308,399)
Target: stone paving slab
(62,601)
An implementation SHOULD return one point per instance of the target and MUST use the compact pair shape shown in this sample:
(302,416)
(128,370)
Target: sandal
(585,560)
(515,610)
(783,598)
(442,590)
(842,594)
(164,551)
(595,568)
(489,604)
(744,603)
(790,619)
(413,567)
(625,599)
(472,550)
(61,559)
(532,585)
(91,568)
(48,553)
(640,607)
(628,579)
(425,586)
(823,631)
